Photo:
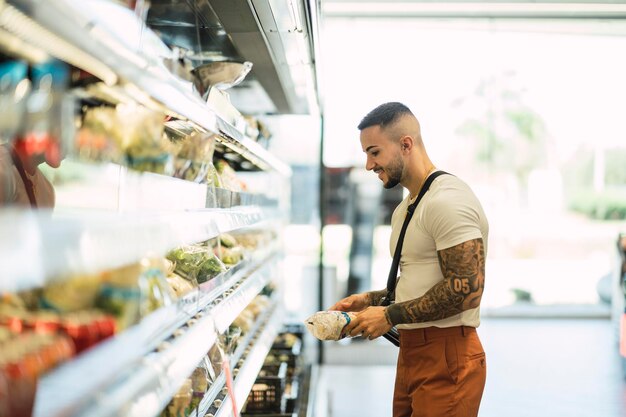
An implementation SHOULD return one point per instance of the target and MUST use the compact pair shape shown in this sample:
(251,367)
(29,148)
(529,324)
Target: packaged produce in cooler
(215,361)
(100,136)
(196,262)
(227,240)
(127,133)
(199,383)
(193,157)
(180,405)
(229,256)
(228,177)
(210,268)
(134,291)
(179,285)
(71,294)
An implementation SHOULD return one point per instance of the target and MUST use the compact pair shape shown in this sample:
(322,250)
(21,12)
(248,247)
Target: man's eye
(375,153)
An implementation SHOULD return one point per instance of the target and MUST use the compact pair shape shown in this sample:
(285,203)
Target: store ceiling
(517,9)
(277,36)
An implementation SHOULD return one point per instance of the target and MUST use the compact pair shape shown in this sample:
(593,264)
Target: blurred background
(526,107)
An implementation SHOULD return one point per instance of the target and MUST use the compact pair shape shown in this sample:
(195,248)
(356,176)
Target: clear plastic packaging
(328,325)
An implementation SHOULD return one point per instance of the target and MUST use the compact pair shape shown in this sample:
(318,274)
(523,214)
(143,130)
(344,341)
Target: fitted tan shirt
(449,214)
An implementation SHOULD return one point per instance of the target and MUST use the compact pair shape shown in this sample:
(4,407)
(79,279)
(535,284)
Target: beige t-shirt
(449,214)
(12,189)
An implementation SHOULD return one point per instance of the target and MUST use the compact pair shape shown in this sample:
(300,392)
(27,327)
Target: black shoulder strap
(392,280)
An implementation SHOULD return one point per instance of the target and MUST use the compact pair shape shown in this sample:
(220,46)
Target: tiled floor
(536,368)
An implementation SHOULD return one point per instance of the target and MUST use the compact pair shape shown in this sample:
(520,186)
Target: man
(441,366)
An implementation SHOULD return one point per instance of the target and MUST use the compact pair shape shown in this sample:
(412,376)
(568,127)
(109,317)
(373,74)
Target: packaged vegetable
(73,294)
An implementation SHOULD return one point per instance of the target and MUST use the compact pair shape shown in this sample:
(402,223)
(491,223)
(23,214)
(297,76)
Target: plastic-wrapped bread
(328,325)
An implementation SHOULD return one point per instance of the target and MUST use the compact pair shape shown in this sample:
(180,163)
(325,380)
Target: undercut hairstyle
(384,115)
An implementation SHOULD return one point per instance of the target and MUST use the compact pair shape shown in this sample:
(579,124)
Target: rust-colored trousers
(441,373)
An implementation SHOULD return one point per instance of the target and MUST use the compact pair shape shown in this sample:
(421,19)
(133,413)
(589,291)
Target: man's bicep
(463,266)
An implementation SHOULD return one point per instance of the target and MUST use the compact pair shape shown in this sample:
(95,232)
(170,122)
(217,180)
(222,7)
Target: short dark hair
(384,115)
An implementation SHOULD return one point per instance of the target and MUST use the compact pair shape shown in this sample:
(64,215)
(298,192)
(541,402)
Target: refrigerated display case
(112,212)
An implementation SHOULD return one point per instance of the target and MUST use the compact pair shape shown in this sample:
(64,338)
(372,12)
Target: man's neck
(416,185)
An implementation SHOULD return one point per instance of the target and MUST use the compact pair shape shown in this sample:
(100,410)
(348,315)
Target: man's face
(383,156)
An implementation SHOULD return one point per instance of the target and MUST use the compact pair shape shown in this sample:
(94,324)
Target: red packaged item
(42,322)
(106,325)
(21,386)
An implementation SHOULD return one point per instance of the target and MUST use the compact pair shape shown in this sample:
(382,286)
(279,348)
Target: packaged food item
(127,133)
(133,291)
(155,291)
(215,360)
(187,261)
(120,296)
(179,285)
(194,157)
(328,325)
(100,137)
(199,384)
(71,294)
(196,262)
(229,340)
(228,241)
(245,320)
(180,405)
(210,268)
(229,256)
(228,177)
(144,143)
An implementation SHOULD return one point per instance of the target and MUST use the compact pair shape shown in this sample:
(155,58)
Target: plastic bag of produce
(328,325)
(187,261)
(134,291)
(194,157)
(199,383)
(196,262)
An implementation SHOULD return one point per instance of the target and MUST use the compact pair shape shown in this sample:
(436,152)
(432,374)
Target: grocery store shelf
(252,364)
(108,40)
(217,389)
(45,247)
(144,366)
(113,187)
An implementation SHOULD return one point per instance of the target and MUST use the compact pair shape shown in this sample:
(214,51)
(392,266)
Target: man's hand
(369,323)
(355,302)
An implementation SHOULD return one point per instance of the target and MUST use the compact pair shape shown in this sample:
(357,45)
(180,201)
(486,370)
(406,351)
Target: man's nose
(369,164)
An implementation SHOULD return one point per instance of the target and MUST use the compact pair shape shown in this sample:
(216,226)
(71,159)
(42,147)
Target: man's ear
(406,142)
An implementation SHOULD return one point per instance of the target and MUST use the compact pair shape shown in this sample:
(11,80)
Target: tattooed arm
(463,268)
(374,297)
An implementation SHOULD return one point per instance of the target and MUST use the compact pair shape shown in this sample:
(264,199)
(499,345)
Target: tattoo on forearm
(463,268)
(375,297)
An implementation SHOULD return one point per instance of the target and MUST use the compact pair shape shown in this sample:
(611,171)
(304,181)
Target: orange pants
(441,373)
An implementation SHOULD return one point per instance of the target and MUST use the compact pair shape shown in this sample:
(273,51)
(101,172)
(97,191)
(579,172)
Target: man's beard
(394,173)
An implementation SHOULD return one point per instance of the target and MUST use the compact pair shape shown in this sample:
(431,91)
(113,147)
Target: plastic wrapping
(193,160)
(328,325)
(134,291)
(196,262)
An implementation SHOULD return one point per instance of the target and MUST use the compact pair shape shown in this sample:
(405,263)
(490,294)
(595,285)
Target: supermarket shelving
(266,322)
(40,247)
(107,40)
(130,215)
(141,368)
(250,367)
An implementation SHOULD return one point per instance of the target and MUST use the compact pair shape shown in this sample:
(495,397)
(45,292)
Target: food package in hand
(328,325)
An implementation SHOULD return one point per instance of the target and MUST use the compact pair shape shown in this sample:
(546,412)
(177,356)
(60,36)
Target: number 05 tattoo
(463,268)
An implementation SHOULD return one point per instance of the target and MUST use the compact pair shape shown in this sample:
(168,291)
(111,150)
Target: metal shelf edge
(47,247)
